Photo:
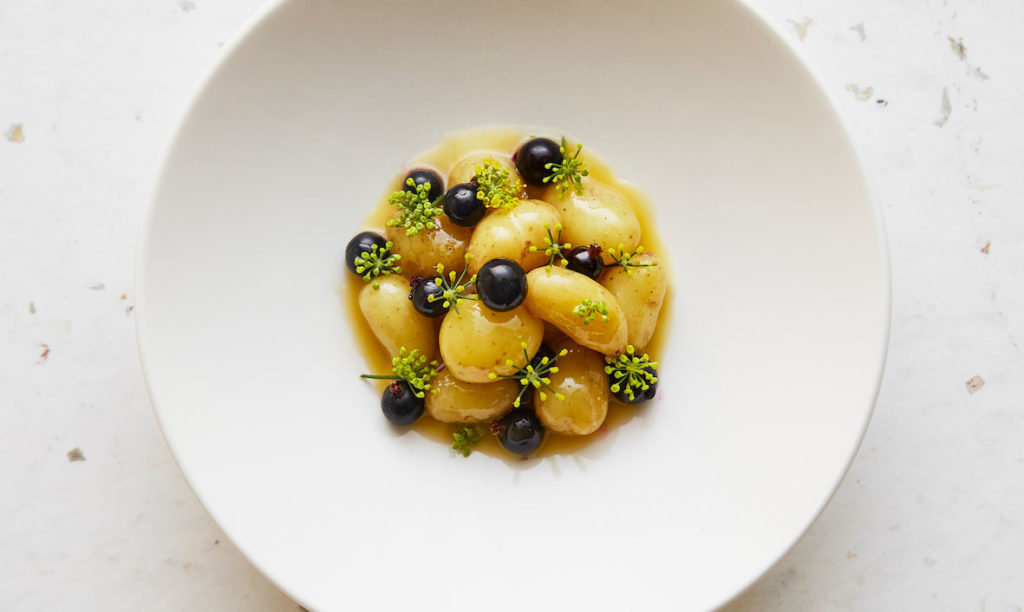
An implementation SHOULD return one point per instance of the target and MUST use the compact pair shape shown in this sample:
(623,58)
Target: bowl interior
(778,330)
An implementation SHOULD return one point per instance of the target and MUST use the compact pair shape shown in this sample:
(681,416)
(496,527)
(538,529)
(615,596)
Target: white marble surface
(930,516)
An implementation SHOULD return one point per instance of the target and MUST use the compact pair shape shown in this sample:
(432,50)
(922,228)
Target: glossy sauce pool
(501,141)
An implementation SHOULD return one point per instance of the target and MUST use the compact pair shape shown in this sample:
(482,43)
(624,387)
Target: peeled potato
(600,215)
(393,319)
(458,401)
(553,293)
(510,233)
(583,385)
(445,244)
(476,340)
(465,168)
(640,295)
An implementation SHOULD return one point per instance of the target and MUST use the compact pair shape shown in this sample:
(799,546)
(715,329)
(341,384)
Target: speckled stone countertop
(94,514)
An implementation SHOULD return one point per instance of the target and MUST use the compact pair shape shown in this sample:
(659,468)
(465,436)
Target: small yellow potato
(640,294)
(511,232)
(552,295)
(476,340)
(465,168)
(445,244)
(600,215)
(579,403)
(457,401)
(393,319)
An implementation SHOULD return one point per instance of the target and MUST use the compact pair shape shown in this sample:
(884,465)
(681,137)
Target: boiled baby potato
(640,294)
(445,244)
(457,401)
(579,403)
(511,232)
(552,295)
(600,215)
(393,319)
(476,340)
(465,168)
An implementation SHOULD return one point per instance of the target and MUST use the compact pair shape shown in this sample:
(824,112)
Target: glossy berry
(639,396)
(519,431)
(531,158)
(422,290)
(462,206)
(586,260)
(362,243)
(501,284)
(542,352)
(425,176)
(400,405)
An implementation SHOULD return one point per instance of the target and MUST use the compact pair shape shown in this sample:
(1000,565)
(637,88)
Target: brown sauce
(502,141)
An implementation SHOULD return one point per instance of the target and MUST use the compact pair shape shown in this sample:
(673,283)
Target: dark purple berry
(586,260)
(639,396)
(533,156)
(428,298)
(400,405)
(462,206)
(501,284)
(519,431)
(362,243)
(425,176)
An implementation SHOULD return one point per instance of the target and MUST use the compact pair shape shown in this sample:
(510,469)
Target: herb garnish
(630,373)
(378,261)
(452,288)
(418,211)
(413,368)
(568,174)
(625,260)
(555,246)
(588,311)
(535,377)
(494,187)
(466,438)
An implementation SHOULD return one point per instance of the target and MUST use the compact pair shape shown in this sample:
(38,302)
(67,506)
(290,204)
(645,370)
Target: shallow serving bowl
(779,322)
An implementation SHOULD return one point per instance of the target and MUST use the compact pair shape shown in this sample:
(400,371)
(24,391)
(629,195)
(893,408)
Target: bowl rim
(882,244)
(763,19)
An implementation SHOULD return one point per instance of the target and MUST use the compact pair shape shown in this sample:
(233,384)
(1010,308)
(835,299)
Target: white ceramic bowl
(779,327)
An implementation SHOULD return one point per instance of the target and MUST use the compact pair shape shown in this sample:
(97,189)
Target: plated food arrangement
(508,292)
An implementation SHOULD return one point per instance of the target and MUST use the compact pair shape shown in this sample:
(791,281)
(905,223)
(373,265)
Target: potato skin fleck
(640,295)
(457,401)
(392,318)
(584,386)
(510,234)
(554,292)
(465,168)
(445,244)
(476,340)
(600,215)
